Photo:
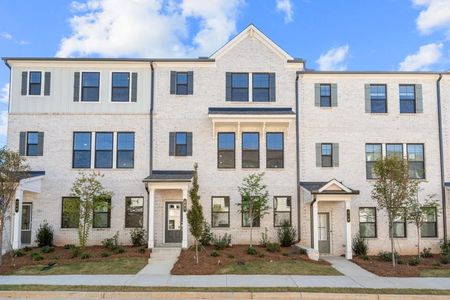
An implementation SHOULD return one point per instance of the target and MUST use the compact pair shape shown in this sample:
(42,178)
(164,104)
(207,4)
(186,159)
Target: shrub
(69,246)
(445,247)
(414,261)
(252,251)
(207,237)
(215,253)
(47,249)
(137,236)
(359,246)
(119,249)
(142,250)
(436,263)
(85,255)
(222,242)
(44,235)
(444,259)
(426,253)
(264,238)
(286,234)
(36,256)
(104,254)
(27,249)
(19,253)
(400,261)
(75,252)
(111,243)
(387,256)
(273,247)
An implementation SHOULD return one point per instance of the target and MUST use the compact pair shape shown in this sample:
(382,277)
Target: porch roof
(320,187)
(169,176)
(30,174)
(250,111)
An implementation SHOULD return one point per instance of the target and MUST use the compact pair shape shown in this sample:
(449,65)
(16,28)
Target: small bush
(444,259)
(273,247)
(75,252)
(104,254)
(230,256)
(414,261)
(222,242)
(36,256)
(85,255)
(142,250)
(19,253)
(359,246)
(445,248)
(44,235)
(426,253)
(286,234)
(69,246)
(251,251)
(387,256)
(47,249)
(27,249)
(400,261)
(215,253)
(264,238)
(365,257)
(119,250)
(207,237)
(436,263)
(137,236)
(111,243)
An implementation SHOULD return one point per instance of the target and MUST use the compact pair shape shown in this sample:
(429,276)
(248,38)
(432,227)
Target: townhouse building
(249,107)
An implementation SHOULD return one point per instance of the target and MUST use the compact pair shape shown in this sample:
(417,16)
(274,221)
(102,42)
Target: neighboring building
(249,107)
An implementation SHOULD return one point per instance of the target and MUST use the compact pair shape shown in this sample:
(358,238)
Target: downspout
(441,156)
(312,220)
(152,85)
(297,158)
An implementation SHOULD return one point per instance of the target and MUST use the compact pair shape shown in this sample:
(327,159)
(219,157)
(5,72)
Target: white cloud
(3,123)
(149,28)
(334,59)
(286,7)
(435,15)
(4,94)
(421,60)
(6,35)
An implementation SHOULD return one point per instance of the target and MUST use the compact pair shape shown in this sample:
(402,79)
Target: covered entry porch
(330,210)
(167,209)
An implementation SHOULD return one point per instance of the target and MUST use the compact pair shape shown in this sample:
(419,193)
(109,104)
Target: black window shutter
(272,87)
(47,82)
(189,143)
(172,137)
(40,143)
(76,86)
(228,86)
(190,87)
(22,143)
(134,77)
(173,82)
(23,91)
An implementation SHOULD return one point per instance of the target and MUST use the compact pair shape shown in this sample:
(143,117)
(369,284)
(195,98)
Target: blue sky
(333,35)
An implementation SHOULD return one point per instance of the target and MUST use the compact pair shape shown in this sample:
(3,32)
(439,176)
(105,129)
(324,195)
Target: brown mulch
(64,256)
(186,264)
(384,268)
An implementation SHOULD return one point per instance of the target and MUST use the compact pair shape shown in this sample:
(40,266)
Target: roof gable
(251,31)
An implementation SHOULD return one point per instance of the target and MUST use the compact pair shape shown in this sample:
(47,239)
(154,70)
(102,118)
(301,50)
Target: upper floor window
(31,143)
(180,144)
(407,98)
(373,153)
(120,87)
(226,150)
(90,86)
(125,150)
(134,212)
(327,155)
(239,87)
(81,150)
(261,87)
(416,161)
(275,150)
(220,211)
(35,83)
(325,95)
(378,99)
(181,83)
(104,150)
(394,150)
(250,150)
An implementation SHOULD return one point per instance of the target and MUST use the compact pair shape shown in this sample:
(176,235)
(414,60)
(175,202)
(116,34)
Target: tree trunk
(1,240)
(418,242)
(196,251)
(392,241)
(251,217)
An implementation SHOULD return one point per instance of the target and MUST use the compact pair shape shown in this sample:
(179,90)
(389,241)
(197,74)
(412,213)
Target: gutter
(441,155)
(152,96)
(297,158)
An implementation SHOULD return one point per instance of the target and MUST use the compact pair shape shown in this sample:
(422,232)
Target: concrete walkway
(161,261)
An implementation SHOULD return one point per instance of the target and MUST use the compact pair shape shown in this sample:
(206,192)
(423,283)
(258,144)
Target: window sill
(378,114)
(103,170)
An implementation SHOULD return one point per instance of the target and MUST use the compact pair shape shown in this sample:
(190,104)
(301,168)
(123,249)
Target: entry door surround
(173,221)
(324,232)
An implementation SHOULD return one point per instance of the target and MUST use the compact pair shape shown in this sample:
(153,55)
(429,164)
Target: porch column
(315,223)
(348,232)
(151,218)
(17,220)
(184,241)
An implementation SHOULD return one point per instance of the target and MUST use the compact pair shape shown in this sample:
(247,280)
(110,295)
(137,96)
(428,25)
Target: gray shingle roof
(31,174)
(251,111)
(169,175)
(314,187)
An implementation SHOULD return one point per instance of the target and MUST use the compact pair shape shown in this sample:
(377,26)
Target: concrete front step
(161,261)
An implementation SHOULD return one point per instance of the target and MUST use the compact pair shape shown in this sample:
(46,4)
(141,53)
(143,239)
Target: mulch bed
(384,268)
(64,256)
(186,264)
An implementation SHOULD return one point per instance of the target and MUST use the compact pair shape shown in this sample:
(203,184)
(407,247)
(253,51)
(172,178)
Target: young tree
(12,169)
(87,188)
(195,214)
(418,212)
(393,190)
(255,197)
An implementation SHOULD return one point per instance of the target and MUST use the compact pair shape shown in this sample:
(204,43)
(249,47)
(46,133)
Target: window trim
(212,211)
(29,83)
(320,95)
(242,149)
(365,157)
(185,144)
(259,88)
(275,210)
(181,84)
(62,212)
(248,87)
(267,149)
(376,222)
(112,87)
(435,225)
(118,150)
(126,211)
(413,100)
(27,152)
(423,161)
(326,155)
(73,150)
(392,144)
(112,150)
(385,98)
(81,86)
(234,149)
(109,200)
(242,220)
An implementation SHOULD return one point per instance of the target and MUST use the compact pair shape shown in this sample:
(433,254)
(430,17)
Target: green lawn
(129,265)
(435,273)
(286,267)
